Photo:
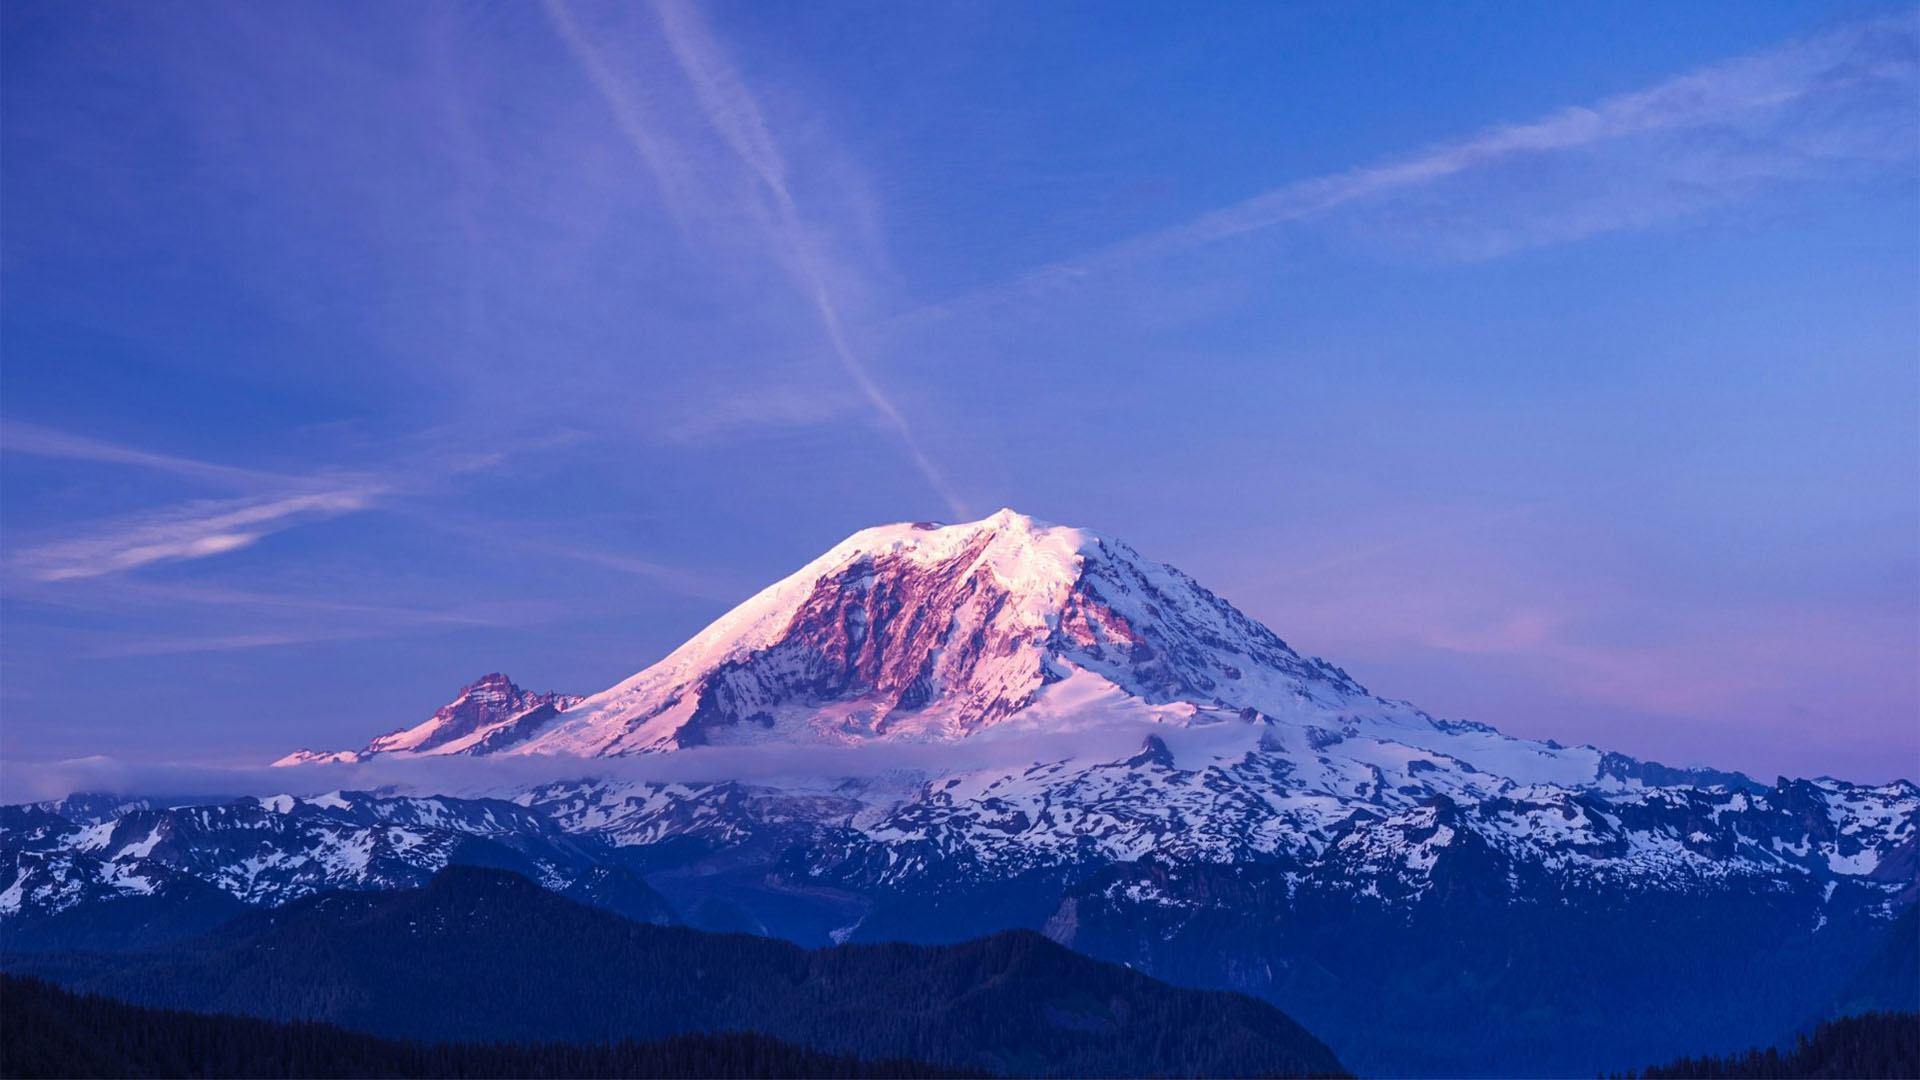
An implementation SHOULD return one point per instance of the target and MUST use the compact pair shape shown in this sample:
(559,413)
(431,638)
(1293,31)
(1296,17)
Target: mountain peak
(1007,518)
(484,711)
(929,631)
(1004,532)
(920,631)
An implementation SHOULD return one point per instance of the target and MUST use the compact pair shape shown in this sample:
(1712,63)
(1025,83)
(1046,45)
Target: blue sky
(1553,366)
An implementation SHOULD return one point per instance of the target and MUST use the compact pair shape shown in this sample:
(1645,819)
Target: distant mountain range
(1008,724)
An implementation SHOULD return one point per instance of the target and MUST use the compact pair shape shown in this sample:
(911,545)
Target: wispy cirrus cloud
(196,530)
(196,617)
(1838,99)
(264,502)
(182,644)
(18,437)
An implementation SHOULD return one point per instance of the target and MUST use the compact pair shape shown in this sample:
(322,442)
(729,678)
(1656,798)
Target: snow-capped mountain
(1368,828)
(1169,723)
(926,633)
(959,729)
(63,856)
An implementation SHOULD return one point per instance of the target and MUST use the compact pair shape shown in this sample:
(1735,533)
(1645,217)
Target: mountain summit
(921,632)
(927,632)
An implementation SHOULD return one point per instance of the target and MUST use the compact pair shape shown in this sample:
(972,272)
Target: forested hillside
(48,1032)
(1872,1046)
(487,955)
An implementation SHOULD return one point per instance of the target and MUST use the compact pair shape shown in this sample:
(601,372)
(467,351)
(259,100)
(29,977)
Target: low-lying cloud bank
(22,782)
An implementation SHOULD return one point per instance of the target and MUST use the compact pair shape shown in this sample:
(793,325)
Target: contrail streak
(627,116)
(1876,53)
(731,110)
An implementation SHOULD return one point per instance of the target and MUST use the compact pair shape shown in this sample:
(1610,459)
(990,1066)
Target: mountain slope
(483,954)
(1889,980)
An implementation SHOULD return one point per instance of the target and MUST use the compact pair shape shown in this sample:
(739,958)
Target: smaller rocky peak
(1153,751)
(488,701)
(493,686)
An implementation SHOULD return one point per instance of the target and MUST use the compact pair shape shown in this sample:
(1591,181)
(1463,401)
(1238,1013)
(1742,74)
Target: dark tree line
(48,1032)
(1871,1046)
